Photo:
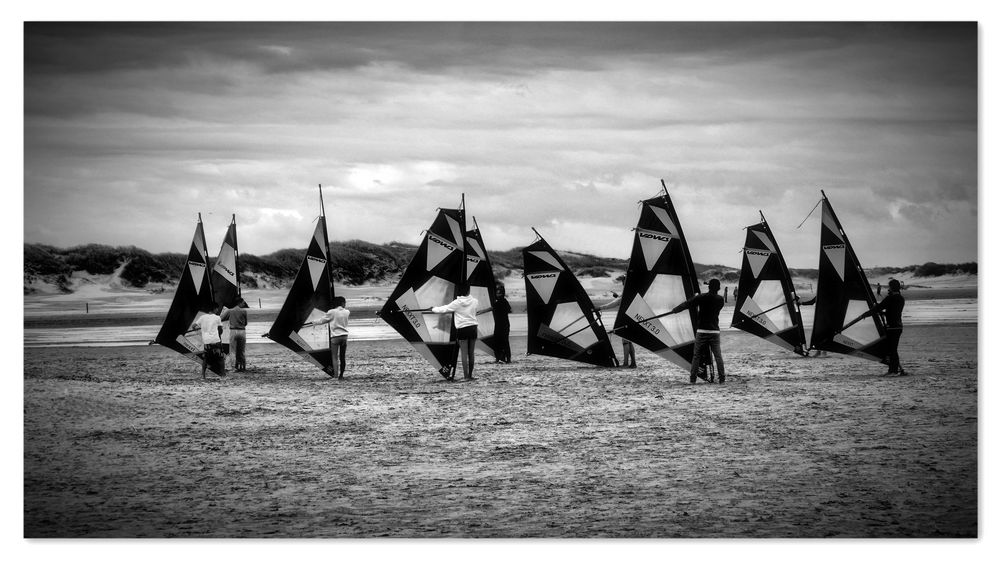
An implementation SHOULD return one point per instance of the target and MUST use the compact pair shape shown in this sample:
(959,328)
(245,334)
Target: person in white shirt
(211,337)
(465,307)
(337,317)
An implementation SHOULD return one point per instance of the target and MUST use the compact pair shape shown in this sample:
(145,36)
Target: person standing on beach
(338,318)
(465,307)
(878,289)
(210,325)
(501,325)
(237,317)
(628,350)
(725,295)
(708,306)
(892,305)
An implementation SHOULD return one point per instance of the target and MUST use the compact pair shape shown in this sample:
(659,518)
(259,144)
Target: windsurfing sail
(225,279)
(430,280)
(310,296)
(767,305)
(660,276)
(842,295)
(192,299)
(482,285)
(562,321)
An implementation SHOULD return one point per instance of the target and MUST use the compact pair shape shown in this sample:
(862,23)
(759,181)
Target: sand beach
(128,441)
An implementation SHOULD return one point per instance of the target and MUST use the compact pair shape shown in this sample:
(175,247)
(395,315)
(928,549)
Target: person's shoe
(469,378)
(632,366)
(722,379)
(902,372)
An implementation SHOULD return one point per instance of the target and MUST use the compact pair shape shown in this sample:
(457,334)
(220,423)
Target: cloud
(131,129)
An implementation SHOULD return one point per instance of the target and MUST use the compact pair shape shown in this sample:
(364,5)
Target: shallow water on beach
(924,312)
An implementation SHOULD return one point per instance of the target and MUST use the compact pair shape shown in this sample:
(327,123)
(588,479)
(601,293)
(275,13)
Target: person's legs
(470,349)
(204,361)
(463,346)
(238,343)
(716,344)
(892,339)
(343,357)
(696,358)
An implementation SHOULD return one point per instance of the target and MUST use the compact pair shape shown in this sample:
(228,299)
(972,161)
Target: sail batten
(842,295)
(766,303)
(310,296)
(660,276)
(562,320)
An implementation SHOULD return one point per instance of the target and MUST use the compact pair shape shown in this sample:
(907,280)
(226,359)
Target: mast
(326,240)
(204,245)
(236,258)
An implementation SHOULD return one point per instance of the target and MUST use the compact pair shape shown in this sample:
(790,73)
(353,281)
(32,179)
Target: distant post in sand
(259,306)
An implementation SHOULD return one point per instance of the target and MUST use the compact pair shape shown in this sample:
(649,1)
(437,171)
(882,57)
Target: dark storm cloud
(579,119)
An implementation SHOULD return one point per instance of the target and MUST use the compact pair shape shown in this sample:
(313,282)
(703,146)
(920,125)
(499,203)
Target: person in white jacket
(465,308)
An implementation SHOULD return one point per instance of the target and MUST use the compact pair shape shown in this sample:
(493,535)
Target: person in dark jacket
(708,306)
(892,305)
(501,325)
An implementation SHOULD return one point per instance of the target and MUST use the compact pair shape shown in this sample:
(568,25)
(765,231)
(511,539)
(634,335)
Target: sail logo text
(439,242)
(833,246)
(225,268)
(652,236)
(646,324)
(758,252)
(314,259)
(412,317)
(193,263)
(540,276)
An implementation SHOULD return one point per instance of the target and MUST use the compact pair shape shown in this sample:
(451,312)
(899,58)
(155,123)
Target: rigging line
(810,212)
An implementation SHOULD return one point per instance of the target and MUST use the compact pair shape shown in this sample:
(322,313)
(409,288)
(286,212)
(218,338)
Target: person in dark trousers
(501,325)
(338,318)
(237,317)
(465,308)
(708,306)
(628,350)
(725,295)
(892,305)
(878,289)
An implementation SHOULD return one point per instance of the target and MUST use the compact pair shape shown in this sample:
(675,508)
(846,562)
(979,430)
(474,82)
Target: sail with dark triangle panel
(192,299)
(660,276)
(482,285)
(766,304)
(225,276)
(562,320)
(225,279)
(310,296)
(842,295)
(431,279)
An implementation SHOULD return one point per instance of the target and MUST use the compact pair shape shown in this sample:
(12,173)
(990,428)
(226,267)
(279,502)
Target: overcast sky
(130,130)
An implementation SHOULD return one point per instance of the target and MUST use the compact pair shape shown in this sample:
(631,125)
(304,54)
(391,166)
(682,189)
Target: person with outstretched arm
(708,334)
(892,305)
(465,307)
(210,325)
(338,318)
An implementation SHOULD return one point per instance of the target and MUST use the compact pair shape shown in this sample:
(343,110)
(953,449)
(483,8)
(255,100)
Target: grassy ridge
(353,262)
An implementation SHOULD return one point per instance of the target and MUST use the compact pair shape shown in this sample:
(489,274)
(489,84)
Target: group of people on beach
(465,309)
